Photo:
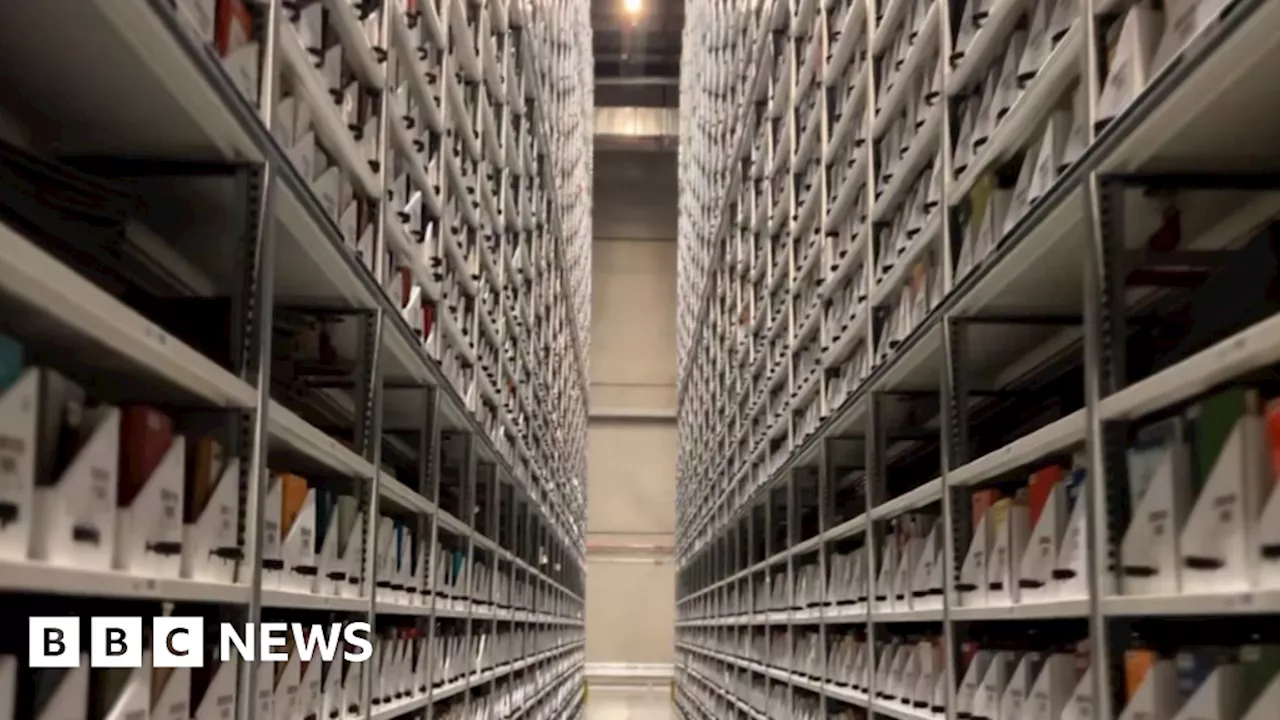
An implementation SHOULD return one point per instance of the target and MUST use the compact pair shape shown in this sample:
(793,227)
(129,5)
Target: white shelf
(312,601)
(38,577)
(1055,436)
(926,494)
(1045,610)
(854,180)
(417,73)
(464,43)
(1253,602)
(76,306)
(847,695)
(357,50)
(409,254)
(305,438)
(856,613)
(852,31)
(985,46)
(330,129)
(924,47)
(1253,348)
(902,712)
(887,25)
(906,616)
(908,172)
(1029,111)
(920,245)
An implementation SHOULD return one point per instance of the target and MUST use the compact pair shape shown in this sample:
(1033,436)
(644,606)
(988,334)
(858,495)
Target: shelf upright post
(955,501)
(793,517)
(770,523)
(718,572)
(945,48)
(255,308)
(826,257)
(530,544)
(512,546)
(268,88)
(877,481)
(826,506)
(494,485)
(469,518)
(252,330)
(382,154)
(867,232)
(369,442)
(429,450)
(1103,368)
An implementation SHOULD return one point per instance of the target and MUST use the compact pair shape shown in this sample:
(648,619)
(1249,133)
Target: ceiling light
(632,7)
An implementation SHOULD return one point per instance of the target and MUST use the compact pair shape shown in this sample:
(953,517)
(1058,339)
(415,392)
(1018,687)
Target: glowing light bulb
(632,7)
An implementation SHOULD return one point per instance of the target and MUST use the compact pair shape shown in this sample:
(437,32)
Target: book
(1272,419)
(205,463)
(145,436)
(293,493)
(1212,422)
(1195,665)
(1137,663)
(67,420)
(326,506)
(1039,487)
(981,501)
(1075,486)
(348,509)
(1143,459)
(12,361)
(1259,665)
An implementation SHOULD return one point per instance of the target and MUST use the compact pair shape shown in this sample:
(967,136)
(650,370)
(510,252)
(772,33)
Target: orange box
(204,466)
(1137,663)
(293,494)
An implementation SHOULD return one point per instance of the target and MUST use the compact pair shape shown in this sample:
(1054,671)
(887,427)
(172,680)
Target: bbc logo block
(116,642)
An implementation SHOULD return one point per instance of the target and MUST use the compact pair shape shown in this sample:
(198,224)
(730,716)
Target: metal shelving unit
(356,257)
(889,321)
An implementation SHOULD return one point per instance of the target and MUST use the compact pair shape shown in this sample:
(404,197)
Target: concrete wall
(634,196)
(632,446)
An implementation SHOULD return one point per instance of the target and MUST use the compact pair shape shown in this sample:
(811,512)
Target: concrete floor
(629,703)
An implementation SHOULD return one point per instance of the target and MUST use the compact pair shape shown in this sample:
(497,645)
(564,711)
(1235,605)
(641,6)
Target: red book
(406,286)
(428,315)
(1273,438)
(234,26)
(1039,487)
(145,436)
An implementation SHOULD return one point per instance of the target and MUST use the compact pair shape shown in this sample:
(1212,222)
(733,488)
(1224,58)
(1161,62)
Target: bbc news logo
(177,642)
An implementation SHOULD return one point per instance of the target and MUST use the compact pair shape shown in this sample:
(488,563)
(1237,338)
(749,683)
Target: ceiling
(637,58)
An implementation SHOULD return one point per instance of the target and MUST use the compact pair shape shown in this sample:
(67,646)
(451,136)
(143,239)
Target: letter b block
(116,642)
(54,642)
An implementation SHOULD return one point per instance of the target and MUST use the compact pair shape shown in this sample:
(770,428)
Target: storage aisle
(629,703)
(293,313)
(978,336)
